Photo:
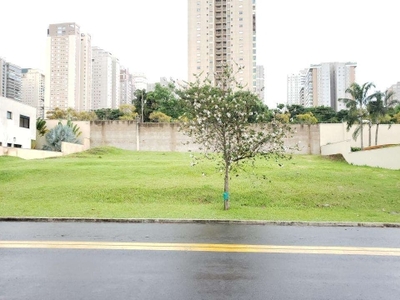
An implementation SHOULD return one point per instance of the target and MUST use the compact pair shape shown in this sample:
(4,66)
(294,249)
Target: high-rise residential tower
(10,80)
(260,82)
(68,68)
(106,79)
(322,85)
(295,86)
(33,83)
(222,32)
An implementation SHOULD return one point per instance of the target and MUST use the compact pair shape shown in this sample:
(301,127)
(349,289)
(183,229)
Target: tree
(159,117)
(166,100)
(307,118)
(145,104)
(128,112)
(41,126)
(378,109)
(220,119)
(108,114)
(71,114)
(356,106)
(57,135)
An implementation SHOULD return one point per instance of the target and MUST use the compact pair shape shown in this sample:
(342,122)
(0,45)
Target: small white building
(17,123)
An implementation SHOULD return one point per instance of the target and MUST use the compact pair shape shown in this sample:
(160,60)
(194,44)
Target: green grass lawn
(113,183)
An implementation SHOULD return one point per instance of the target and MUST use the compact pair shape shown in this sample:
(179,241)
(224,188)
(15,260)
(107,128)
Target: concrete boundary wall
(131,135)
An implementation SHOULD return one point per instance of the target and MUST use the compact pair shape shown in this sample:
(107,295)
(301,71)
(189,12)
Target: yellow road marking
(201,247)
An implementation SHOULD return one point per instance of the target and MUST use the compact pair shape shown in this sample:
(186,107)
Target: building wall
(11,132)
(131,135)
(102,79)
(219,33)
(33,84)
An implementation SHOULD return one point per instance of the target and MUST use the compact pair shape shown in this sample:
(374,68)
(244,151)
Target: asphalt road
(197,261)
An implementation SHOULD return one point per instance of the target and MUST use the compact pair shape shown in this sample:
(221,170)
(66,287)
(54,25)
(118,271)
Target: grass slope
(113,183)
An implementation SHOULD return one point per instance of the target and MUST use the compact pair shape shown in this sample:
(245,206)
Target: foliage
(307,118)
(221,118)
(355,149)
(356,106)
(159,117)
(167,101)
(396,118)
(149,104)
(128,112)
(75,128)
(57,135)
(41,126)
(71,114)
(283,118)
(379,109)
(108,114)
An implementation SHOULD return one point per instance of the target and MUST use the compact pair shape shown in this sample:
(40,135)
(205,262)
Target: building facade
(295,88)
(33,87)
(11,80)
(17,123)
(260,82)
(106,79)
(68,68)
(126,86)
(322,85)
(222,33)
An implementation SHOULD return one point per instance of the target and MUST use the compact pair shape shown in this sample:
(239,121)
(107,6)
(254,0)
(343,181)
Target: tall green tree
(221,119)
(357,106)
(379,107)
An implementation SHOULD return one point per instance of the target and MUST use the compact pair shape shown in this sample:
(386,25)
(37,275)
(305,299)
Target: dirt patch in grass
(381,146)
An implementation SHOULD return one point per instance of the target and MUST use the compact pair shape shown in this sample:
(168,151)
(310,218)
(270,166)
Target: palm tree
(378,109)
(356,106)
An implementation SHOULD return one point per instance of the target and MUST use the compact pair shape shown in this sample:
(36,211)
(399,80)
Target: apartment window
(9,115)
(23,121)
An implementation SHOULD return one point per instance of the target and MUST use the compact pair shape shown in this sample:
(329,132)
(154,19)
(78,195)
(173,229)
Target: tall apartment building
(260,82)
(11,80)
(295,88)
(139,81)
(324,84)
(106,79)
(395,88)
(220,33)
(68,68)
(33,87)
(126,86)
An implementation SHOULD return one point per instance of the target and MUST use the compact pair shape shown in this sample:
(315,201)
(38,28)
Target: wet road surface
(101,270)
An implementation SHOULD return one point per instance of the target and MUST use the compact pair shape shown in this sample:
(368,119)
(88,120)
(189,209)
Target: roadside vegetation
(114,183)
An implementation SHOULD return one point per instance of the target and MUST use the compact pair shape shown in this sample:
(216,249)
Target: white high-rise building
(222,32)
(395,88)
(116,83)
(10,80)
(126,86)
(260,82)
(85,103)
(295,86)
(33,87)
(326,83)
(106,79)
(139,81)
(68,68)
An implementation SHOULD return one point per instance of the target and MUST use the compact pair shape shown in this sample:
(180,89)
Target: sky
(151,36)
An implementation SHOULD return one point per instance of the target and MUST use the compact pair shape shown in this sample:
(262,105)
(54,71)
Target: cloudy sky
(151,36)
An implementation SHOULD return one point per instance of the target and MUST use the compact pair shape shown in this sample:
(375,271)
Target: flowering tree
(229,121)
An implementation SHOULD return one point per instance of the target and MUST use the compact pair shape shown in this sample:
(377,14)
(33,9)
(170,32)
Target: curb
(202,221)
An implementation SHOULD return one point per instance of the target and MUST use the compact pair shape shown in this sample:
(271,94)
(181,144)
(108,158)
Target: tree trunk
(362,133)
(226,187)
(376,134)
(369,134)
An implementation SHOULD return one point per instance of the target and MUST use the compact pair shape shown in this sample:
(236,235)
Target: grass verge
(113,183)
